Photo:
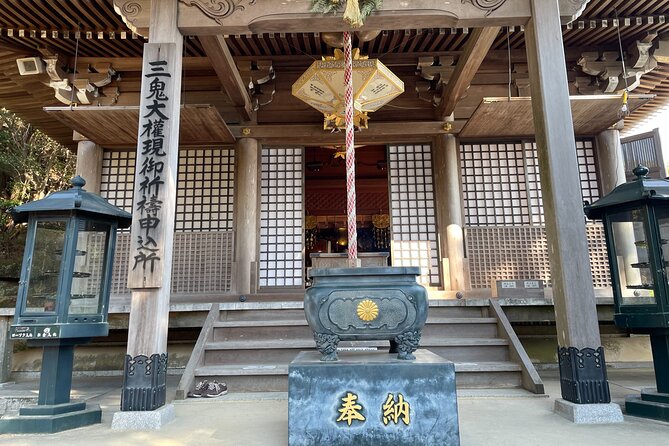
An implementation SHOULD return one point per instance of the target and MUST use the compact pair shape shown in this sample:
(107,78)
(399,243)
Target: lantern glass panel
(89,268)
(663,224)
(45,266)
(631,245)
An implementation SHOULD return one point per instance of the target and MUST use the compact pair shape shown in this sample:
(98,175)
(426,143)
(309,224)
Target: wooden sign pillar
(152,235)
(580,352)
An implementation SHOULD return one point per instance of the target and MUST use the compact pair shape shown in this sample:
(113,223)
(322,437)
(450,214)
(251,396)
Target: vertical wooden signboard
(152,212)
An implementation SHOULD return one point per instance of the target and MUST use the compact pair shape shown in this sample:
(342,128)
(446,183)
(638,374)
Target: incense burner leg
(407,343)
(327,345)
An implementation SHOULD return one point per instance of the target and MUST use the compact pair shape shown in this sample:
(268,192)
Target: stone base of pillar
(143,420)
(583,377)
(589,413)
(144,382)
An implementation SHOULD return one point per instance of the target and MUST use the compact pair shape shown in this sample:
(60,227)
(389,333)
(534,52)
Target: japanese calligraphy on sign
(350,409)
(394,409)
(150,216)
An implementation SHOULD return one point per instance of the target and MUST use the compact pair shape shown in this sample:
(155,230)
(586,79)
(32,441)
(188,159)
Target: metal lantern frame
(639,262)
(55,224)
(74,209)
(645,201)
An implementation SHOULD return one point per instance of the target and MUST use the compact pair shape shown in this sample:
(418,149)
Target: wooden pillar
(611,167)
(449,211)
(152,232)
(610,160)
(89,164)
(247,152)
(6,349)
(580,354)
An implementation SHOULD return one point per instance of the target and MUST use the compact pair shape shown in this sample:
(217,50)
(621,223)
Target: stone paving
(487,417)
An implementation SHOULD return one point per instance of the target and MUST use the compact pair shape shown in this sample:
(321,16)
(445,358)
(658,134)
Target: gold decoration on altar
(381,221)
(381,231)
(322,87)
(310,222)
(367,310)
(311,231)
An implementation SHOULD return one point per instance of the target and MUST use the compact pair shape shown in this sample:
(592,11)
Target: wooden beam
(468,64)
(231,81)
(249,16)
(377,133)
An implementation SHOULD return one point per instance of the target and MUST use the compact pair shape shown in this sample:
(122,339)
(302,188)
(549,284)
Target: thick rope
(350,154)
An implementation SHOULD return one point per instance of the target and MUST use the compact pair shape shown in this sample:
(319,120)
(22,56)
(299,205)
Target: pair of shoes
(215,389)
(200,389)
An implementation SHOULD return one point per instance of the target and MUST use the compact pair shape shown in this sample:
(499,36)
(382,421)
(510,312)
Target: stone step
(493,374)
(282,352)
(457,311)
(461,320)
(261,313)
(254,341)
(487,366)
(257,330)
(298,328)
(276,344)
(233,323)
(481,327)
(274,377)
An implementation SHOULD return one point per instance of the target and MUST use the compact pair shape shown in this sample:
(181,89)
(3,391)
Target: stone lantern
(636,223)
(63,297)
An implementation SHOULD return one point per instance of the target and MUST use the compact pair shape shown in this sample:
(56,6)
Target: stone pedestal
(48,419)
(605,413)
(372,399)
(143,420)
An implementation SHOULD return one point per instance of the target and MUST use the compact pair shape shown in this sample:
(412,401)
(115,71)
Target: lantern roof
(641,190)
(73,199)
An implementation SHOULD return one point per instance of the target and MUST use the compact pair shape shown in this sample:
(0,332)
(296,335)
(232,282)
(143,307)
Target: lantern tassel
(352,14)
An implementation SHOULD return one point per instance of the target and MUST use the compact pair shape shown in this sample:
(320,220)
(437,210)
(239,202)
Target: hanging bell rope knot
(355,13)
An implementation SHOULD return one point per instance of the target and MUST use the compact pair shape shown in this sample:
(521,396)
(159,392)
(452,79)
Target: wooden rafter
(477,47)
(224,65)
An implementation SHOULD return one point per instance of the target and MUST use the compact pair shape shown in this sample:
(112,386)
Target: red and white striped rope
(350,154)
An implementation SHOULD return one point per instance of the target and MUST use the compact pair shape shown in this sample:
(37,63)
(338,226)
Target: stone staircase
(249,345)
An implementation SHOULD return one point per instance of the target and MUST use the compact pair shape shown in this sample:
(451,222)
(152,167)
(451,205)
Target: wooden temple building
(510,118)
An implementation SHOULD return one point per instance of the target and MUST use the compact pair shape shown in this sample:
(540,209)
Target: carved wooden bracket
(86,87)
(489,6)
(260,77)
(602,72)
(219,9)
(433,74)
(521,79)
(135,14)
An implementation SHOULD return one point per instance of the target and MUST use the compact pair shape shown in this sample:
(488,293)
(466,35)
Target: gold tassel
(352,14)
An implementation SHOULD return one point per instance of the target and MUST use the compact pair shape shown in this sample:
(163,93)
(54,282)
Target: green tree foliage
(32,165)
